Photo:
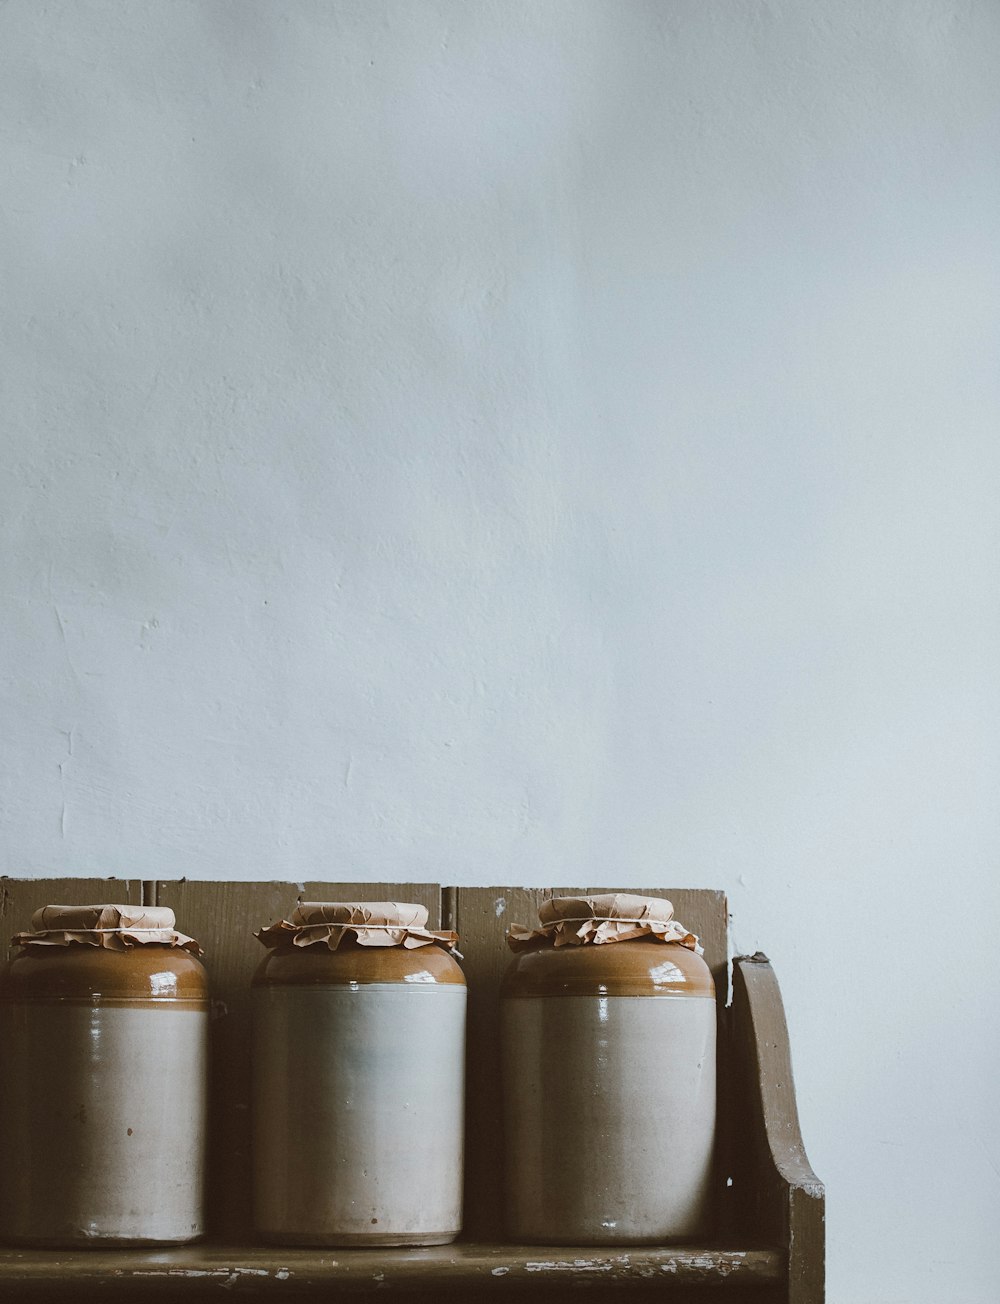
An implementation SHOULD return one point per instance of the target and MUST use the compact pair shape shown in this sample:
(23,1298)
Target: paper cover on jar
(369,923)
(114,927)
(601,919)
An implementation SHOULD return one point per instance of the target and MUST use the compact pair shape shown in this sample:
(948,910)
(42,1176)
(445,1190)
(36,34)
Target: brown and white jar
(103,1027)
(608,1028)
(358,1078)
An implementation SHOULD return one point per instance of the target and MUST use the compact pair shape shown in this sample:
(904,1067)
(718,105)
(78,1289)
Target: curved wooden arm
(778,1196)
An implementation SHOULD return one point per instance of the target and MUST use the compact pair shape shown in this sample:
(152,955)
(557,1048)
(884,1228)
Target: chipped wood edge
(504,1269)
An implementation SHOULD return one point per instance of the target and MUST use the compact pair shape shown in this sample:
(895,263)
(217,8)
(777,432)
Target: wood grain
(482,917)
(223,917)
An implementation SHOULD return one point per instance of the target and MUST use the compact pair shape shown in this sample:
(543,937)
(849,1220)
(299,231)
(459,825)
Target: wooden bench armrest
(777,1196)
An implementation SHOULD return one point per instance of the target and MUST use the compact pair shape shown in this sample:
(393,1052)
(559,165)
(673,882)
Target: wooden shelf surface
(206,1269)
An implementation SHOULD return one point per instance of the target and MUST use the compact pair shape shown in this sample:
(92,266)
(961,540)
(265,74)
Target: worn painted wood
(482,916)
(778,1197)
(468,1271)
(21,897)
(777,1201)
(223,917)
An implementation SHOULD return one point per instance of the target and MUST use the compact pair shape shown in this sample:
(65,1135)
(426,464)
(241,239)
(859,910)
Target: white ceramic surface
(609,1113)
(359,1113)
(102,1123)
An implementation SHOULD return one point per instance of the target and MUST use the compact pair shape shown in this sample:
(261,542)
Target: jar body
(358,1076)
(103,1096)
(609,1094)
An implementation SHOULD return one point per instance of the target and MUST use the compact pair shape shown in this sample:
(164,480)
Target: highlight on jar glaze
(104,1024)
(608,1028)
(358,1078)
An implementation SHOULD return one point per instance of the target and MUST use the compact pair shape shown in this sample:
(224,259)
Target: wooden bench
(769,1243)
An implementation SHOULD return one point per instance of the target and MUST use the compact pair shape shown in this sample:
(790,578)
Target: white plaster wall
(542,442)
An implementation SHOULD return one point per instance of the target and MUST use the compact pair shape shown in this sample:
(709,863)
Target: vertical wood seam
(449,909)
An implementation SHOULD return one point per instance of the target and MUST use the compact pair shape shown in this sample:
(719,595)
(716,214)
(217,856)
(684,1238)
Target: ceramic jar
(103,1024)
(358,1078)
(608,1025)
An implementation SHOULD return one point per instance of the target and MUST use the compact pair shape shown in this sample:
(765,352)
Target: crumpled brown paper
(113,927)
(370,923)
(598,920)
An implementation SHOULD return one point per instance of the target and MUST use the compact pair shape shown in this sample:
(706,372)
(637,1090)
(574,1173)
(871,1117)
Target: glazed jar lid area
(347,1110)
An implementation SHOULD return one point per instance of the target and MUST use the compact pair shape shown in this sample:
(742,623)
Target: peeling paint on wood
(467,1267)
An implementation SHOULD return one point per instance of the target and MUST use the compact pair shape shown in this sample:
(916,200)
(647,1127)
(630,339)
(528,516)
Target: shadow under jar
(608,1027)
(358,1078)
(103,1024)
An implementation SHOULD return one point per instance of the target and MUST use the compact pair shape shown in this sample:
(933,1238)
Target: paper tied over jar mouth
(112,927)
(602,919)
(369,923)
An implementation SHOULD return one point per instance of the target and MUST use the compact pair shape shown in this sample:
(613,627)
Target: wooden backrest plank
(223,917)
(482,917)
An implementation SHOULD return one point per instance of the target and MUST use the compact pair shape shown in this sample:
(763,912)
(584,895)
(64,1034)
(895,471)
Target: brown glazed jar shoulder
(352,964)
(158,975)
(639,967)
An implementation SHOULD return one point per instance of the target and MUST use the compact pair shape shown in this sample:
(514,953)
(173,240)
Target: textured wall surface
(534,442)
